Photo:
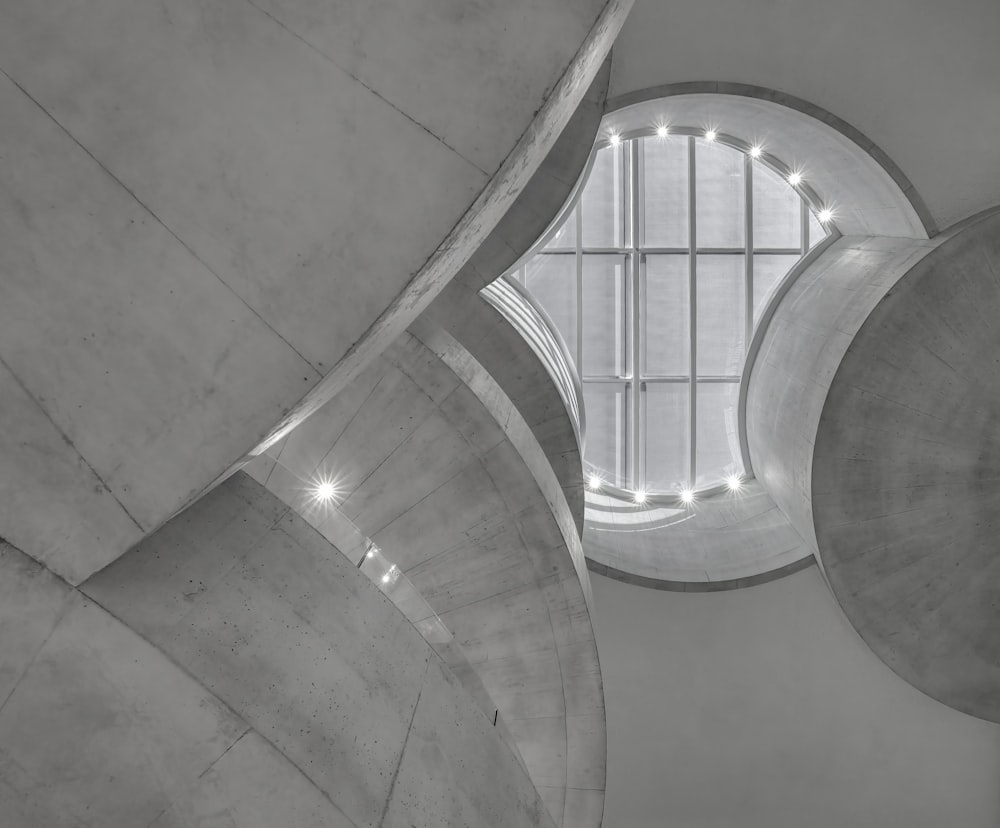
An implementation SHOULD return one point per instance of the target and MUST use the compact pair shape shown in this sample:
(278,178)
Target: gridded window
(656,280)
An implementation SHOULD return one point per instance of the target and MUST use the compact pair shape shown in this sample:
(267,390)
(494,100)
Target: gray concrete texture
(871,417)
(446,477)
(235,653)
(906,474)
(211,210)
(811,330)
(458,313)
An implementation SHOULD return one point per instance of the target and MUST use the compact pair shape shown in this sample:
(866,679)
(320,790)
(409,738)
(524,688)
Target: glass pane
(667,454)
(719,196)
(816,230)
(551,279)
(721,333)
(768,271)
(717,438)
(667,340)
(565,236)
(603,316)
(776,210)
(603,202)
(606,408)
(665,198)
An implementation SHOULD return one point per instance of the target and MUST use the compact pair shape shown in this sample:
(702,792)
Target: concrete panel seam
(159,220)
(402,750)
(69,442)
(358,80)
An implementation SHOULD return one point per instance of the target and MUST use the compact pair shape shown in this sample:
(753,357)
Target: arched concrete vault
(211,211)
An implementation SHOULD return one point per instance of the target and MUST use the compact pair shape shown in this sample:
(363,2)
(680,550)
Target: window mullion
(638,441)
(748,272)
(693,310)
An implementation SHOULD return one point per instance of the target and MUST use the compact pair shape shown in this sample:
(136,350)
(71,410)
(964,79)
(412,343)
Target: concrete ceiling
(918,77)
(208,209)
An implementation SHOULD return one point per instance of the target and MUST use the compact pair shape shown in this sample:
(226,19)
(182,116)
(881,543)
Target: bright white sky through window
(656,280)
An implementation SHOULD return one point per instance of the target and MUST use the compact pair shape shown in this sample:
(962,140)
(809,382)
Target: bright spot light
(825,215)
(687,496)
(661,132)
(639,496)
(795,179)
(710,134)
(615,139)
(372,551)
(386,578)
(734,483)
(325,491)
(594,482)
(755,151)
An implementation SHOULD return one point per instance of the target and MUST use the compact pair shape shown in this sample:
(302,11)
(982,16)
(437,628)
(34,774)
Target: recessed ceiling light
(755,151)
(687,496)
(795,179)
(661,131)
(710,134)
(734,483)
(825,215)
(639,496)
(615,139)
(325,491)
(594,482)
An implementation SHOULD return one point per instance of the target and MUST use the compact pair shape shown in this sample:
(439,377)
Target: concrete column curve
(871,419)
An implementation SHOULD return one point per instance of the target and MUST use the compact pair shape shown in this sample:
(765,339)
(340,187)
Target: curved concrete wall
(870,419)
(725,541)
(461,504)
(463,316)
(810,332)
(210,211)
(906,474)
(241,671)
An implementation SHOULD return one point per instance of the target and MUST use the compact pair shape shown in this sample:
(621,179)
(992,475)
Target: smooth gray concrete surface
(761,708)
(99,728)
(906,474)
(915,76)
(810,332)
(725,539)
(210,209)
(444,475)
(277,624)
(460,313)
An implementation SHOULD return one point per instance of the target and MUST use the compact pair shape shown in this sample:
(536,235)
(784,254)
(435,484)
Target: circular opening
(655,276)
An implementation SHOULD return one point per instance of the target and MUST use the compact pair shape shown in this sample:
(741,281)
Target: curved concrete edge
(493,398)
(811,330)
(261,609)
(426,468)
(502,365)
(200,208)
(700,586)
(475,226)
(724,541)
(803,133)
(904,474)
(464,316)
(235,665)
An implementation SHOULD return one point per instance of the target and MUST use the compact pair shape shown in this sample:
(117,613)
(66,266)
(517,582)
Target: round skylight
(656,279)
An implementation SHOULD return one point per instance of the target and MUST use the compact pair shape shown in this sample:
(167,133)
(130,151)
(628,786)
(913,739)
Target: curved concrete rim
(807,108)
(699,586)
